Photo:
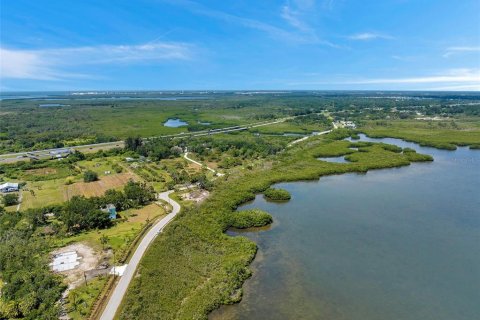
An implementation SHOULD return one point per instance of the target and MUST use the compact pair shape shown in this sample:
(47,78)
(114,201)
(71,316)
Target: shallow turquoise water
(398,244)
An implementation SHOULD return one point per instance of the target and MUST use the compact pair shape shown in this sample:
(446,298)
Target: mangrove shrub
(277,194)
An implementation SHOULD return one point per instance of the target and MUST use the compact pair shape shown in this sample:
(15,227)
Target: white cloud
(50,64)
(302,34)
(366,36)
(200,9)
(296,12)
(293,18)
(450,76)
(469,87)
(457,50)
(23,65)
(453,79)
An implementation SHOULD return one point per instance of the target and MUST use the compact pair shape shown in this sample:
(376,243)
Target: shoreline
(225,201)
(233,311)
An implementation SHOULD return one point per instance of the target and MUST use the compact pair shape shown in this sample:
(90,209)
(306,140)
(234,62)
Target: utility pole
(114,274)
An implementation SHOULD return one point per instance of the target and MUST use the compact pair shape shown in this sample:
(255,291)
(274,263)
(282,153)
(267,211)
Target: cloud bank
(452,79)
(458,50)
(50,64)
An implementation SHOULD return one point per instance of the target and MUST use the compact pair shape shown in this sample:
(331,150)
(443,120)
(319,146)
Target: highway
(12,157)
(118,293)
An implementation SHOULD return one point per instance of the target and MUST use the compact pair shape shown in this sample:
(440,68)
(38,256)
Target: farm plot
(98,188)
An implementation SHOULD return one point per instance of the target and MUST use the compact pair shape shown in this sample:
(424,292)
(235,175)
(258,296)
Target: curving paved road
(122,285)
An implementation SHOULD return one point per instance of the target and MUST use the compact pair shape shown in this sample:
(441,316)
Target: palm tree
(73,295)
(103,241)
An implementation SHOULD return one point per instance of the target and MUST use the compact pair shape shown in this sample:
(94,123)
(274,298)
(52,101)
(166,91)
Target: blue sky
(292,45)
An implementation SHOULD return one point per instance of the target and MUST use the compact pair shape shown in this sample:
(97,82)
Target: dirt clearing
(196,195)
(89,260)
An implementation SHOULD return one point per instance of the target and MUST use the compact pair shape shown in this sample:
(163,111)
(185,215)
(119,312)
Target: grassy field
(122,233)
(194,267)
(99,165)
(57,191)
(43,193)
(440,134)
(50,185)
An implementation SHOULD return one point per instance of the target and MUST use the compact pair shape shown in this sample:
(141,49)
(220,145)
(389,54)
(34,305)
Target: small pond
(175,123)
(340,159)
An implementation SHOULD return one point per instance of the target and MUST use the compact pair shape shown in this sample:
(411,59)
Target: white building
(9,187)
(349,125)
(65,261)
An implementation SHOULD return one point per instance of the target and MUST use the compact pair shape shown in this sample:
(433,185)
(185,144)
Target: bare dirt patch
(196,195)
(89,260)
(98,188)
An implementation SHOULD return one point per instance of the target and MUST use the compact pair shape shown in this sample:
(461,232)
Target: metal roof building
(9,187)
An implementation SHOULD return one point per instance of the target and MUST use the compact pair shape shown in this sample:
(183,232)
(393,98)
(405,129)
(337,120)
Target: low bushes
(250,218)
(413,156)
(10,199)
(277,194)
(90,176)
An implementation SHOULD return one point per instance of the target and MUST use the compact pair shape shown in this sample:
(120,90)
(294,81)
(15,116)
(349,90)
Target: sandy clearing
(196,195)
(90,259)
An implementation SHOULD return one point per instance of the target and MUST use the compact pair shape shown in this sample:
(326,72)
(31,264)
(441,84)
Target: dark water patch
(398,142)
(292,134)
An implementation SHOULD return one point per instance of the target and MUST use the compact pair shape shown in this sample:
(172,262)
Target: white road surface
(201,165)
(196,162)
(305,138)
(122,285)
